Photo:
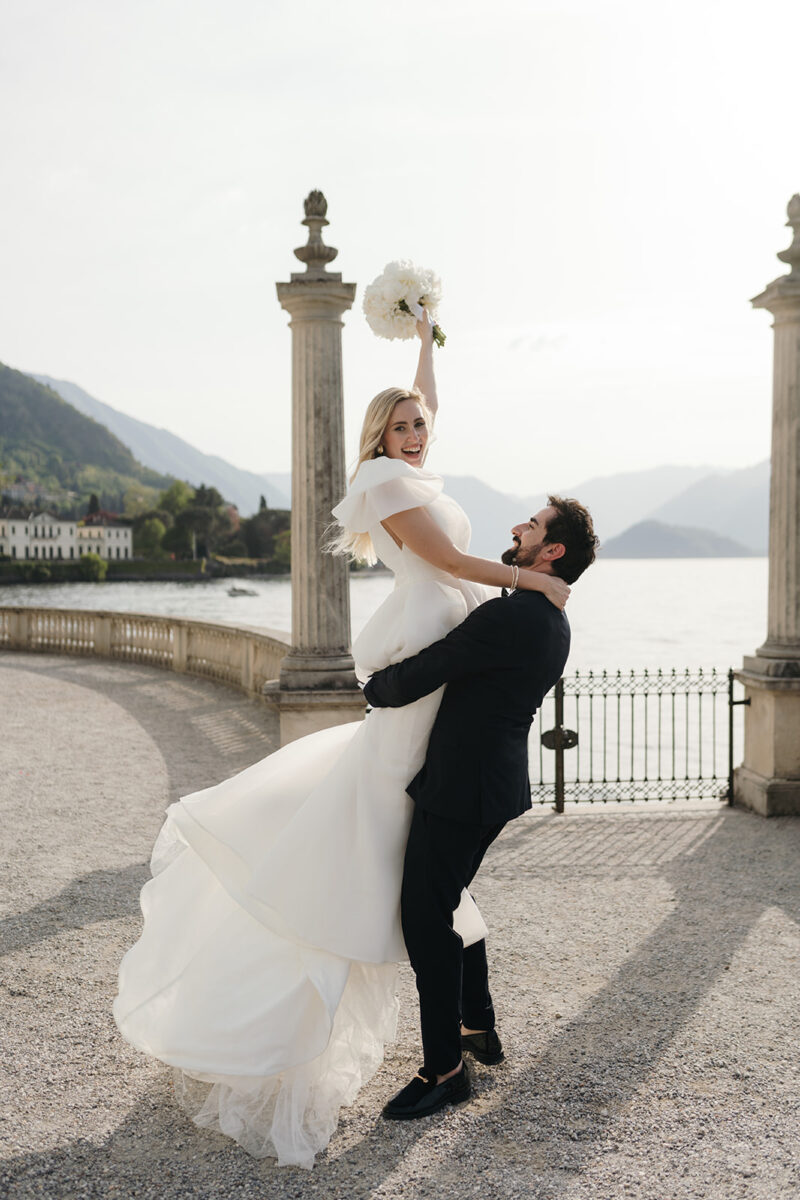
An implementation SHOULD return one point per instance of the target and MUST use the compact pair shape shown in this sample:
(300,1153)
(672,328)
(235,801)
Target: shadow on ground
(536,1124)
(102,895)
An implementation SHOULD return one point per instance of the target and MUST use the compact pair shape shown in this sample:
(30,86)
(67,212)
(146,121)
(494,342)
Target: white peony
(391,302)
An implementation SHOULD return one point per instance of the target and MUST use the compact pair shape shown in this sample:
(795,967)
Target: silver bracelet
(514,576)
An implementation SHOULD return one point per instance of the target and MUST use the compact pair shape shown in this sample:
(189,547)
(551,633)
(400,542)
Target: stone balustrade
(243,658)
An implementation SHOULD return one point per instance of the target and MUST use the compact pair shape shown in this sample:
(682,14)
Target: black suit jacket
(498,665)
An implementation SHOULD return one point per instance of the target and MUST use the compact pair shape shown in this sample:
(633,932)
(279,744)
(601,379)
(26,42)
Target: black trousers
(442,858)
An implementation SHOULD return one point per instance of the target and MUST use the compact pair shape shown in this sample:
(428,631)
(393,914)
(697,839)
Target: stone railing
(243,658)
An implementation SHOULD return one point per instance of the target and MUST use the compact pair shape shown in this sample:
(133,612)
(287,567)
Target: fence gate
(636,735)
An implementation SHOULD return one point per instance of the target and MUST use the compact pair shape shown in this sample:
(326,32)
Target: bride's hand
(556,590)
(552,587)
(425,327)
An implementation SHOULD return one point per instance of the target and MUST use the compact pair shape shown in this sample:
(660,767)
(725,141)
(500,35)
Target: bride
(265,972)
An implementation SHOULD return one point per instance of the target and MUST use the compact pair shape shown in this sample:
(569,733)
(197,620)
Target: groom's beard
(521,558)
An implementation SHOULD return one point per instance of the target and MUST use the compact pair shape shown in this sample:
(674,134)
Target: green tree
(94,504)
(92,568)
(161,514)
(198,523)
(259,536)
(138,499)
(147,541)
(283,549)
(260,530)
(211,520)
(262,504)
(177,497)
(202,520)
(208,497)
(178,541)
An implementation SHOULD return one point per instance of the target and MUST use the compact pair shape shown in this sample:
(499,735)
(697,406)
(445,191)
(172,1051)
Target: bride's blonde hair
(376,419)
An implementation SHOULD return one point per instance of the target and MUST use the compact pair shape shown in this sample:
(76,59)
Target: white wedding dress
(266,968)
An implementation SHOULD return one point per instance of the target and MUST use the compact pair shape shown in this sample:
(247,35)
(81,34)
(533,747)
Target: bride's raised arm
(417,529)
(425,380)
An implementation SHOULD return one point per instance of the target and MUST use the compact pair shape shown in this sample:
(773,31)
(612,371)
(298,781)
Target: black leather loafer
(424,1096)
(486,1047)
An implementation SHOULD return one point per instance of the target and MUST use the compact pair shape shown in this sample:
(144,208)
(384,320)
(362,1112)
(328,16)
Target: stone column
(769,779)
(317,685)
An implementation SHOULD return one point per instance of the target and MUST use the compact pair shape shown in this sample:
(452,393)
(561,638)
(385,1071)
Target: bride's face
(406,435)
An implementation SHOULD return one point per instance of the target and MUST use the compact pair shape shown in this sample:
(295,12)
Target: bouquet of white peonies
(394,302)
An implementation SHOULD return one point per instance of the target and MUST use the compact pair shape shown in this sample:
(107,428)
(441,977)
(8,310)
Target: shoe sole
(488,1060)
(416,1116)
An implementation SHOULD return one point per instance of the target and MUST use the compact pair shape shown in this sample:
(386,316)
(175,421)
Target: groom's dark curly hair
(572,526)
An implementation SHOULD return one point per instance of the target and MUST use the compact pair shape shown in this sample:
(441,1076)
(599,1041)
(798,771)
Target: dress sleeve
(384,486)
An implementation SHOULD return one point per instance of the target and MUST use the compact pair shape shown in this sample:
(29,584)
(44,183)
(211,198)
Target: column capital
(792,254)
(323,299)
(782,296)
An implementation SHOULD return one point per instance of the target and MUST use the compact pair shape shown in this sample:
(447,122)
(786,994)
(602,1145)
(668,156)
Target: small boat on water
(239,591)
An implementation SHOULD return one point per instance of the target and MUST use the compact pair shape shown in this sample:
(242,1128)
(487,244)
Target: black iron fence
(637,735)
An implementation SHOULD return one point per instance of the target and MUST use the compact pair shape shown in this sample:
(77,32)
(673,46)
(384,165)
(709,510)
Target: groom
(498,665)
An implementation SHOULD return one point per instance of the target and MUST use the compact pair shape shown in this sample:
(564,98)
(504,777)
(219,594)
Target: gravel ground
(646,968)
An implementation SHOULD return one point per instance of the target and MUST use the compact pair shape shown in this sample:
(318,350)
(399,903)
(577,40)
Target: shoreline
(196,575)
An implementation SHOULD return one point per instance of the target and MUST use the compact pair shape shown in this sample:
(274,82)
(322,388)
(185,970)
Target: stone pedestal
(317,685)
(769,779)
(306,711)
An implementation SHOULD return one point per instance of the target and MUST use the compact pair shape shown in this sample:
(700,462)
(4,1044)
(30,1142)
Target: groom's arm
(484,641)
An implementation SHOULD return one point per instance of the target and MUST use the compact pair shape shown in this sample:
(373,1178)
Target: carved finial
(315,254)
(315,205)
(792,254)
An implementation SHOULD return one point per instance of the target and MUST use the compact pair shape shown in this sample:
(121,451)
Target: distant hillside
(164,451)
(47,441)
(614,502)
(491,513)
(734,504)
(280,482)
(654,539)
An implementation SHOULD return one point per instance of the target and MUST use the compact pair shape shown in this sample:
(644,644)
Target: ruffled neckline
(380,470)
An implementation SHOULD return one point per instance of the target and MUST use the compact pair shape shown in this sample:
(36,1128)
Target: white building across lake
(42,535)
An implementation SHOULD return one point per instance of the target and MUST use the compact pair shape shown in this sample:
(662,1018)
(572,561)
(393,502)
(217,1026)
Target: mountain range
(732,505)
(654,539)
(170,455)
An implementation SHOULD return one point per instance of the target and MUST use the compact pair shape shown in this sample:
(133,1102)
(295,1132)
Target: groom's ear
(553,550)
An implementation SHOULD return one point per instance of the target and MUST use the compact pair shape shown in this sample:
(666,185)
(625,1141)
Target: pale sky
(602,187)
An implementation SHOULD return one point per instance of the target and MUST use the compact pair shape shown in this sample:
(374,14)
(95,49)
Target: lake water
(624,613)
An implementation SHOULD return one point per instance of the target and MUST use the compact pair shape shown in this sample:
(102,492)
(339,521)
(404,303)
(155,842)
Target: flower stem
(439,336)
